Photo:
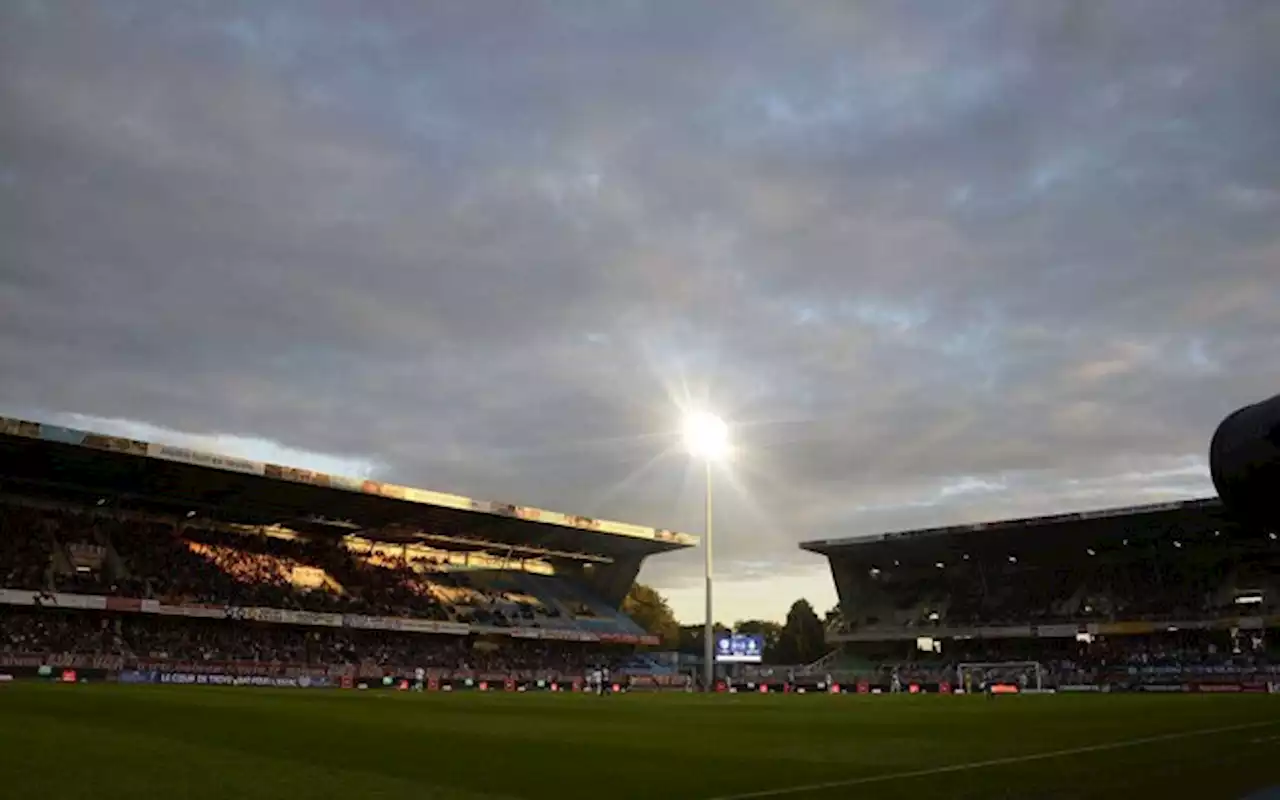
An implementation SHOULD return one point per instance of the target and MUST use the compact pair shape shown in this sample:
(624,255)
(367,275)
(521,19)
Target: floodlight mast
(708,633)
(707,437)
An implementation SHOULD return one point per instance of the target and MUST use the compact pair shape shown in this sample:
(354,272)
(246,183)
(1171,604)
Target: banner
(1217,688)
(221,679)
(203,612)
(1056,631)
(19,427)
(115,444)
(297,475)
(198,458)
(279,615)
(290,617)
(16,597)
(1079,687)
(407,625)
(1134,628)
(61,435)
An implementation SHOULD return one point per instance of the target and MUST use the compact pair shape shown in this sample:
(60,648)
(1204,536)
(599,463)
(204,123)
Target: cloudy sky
(937,261)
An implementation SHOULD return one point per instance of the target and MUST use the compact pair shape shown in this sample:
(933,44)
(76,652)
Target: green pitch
(166,742)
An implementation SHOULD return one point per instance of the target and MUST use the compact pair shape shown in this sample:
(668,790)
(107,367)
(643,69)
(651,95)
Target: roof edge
(825,546)
(161,452)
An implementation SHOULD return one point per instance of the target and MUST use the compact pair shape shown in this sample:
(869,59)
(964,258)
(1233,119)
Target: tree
(834,618)
(767,629)
(650,611)
(802,639)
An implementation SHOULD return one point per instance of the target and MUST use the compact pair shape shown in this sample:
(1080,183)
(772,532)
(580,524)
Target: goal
(1028,675)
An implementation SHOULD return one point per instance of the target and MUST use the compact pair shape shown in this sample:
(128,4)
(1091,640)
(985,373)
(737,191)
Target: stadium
(163,538)
(1165,597)
(144,586)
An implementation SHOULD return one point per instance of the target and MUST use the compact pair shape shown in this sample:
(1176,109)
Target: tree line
(798,640)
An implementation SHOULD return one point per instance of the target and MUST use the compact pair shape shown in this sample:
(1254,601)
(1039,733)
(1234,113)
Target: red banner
(123,604)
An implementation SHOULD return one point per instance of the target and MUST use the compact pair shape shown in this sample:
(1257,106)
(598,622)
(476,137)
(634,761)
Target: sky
(936,262)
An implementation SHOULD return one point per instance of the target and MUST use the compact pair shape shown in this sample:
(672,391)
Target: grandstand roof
(1187,516)
(55,459)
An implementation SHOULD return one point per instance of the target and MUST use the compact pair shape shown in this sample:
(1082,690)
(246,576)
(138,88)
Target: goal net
(1023,674)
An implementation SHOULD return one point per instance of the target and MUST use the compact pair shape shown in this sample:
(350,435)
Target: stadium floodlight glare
(707,437)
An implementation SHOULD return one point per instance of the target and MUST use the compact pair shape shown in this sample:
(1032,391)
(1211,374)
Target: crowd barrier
(108,669)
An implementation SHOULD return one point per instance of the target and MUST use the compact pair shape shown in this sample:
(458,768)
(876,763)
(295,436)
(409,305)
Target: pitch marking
(994,762)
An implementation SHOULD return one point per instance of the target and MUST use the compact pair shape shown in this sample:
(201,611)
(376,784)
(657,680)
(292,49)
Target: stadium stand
(115,553)
(1153,594)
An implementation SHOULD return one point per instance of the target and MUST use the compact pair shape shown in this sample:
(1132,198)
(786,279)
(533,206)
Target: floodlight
(706,435)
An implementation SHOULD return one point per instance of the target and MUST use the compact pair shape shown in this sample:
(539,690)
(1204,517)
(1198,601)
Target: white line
(994,762)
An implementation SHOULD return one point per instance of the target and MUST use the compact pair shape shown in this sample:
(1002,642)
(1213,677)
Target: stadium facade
(107,543)
(1125,572)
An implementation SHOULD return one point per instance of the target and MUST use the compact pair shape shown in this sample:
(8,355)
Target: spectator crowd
(93,551)
(123,554)
(137,638)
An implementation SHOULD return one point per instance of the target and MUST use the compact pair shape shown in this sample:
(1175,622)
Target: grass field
(128,742)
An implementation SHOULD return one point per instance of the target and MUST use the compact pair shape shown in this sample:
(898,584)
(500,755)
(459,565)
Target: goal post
(972,673)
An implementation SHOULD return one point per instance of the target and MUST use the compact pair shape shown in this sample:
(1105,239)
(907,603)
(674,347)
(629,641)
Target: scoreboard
(739,648)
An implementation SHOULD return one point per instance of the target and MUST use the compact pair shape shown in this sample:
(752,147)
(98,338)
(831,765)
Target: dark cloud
(940,260)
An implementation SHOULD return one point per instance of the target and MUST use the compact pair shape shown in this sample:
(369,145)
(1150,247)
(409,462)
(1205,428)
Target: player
(419,679)
(606,685)
(895,682)
(596,684)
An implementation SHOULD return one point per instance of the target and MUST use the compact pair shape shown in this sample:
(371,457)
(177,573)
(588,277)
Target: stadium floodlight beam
(707,437)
